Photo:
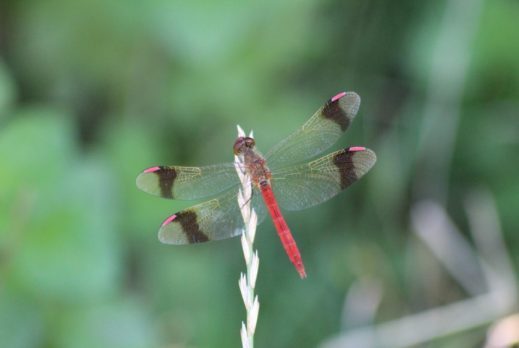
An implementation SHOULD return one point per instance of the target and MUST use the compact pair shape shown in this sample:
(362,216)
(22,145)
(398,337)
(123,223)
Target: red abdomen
(282,228)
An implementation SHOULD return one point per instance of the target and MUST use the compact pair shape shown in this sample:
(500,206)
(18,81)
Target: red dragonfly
(288,179)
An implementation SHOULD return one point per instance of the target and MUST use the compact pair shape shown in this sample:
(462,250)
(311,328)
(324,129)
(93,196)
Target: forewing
(215,219)
(319,133)
(305,185)
(176,182)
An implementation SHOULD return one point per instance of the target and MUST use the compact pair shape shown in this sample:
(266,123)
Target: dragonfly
(288,176)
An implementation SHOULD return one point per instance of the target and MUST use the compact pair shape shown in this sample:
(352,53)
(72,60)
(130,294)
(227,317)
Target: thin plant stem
(247,281)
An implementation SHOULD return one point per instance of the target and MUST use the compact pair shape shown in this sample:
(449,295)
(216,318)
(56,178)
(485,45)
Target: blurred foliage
(92,92)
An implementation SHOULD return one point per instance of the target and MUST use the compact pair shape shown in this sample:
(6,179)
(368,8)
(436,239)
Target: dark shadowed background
(422,251)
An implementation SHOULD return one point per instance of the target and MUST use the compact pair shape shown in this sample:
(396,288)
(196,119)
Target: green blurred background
(92,92)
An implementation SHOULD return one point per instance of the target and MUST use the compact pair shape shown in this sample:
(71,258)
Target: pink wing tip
(151,170)
(169,219)
(338,96)
(356,148)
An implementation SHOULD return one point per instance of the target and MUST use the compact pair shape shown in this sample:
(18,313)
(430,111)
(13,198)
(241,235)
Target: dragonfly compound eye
(249,142)
(238,145)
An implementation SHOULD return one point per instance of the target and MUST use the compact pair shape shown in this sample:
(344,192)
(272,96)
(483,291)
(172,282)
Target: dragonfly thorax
(257,168)
(254,163)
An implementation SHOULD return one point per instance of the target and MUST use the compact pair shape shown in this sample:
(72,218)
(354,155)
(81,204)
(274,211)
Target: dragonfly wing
(319,133)
(302,186)
(215,219)
(186,183)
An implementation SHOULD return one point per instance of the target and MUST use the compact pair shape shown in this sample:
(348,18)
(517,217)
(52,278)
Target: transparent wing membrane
(320,132)
(187,183)
(305,185)
(215,219)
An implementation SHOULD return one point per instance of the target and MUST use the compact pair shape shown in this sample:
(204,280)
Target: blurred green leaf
(21,321)
(35,148)
(75,223)
(62,223)
(121,324)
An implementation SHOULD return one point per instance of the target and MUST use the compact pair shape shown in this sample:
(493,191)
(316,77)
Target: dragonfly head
(243,143)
